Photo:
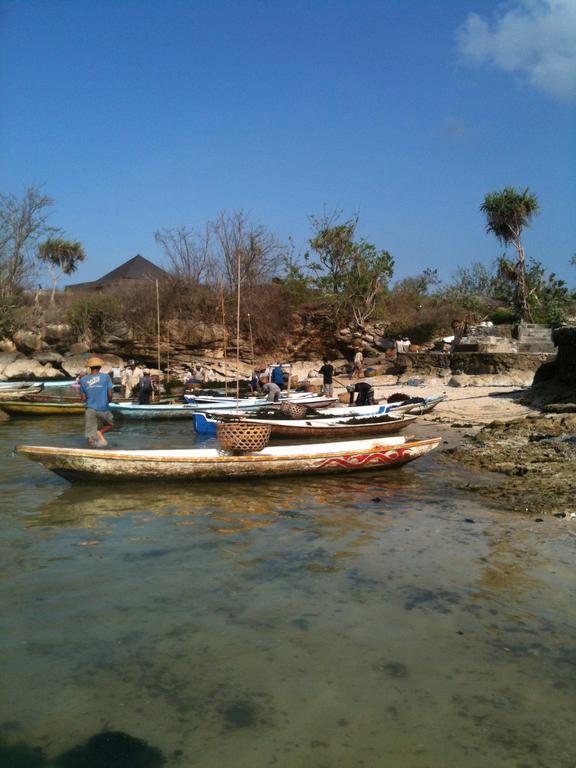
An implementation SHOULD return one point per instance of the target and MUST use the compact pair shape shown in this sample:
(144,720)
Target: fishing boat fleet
(348,438)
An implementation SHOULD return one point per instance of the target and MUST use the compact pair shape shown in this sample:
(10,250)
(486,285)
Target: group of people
(360,393)
(198,374)
(134,378)
(269,381)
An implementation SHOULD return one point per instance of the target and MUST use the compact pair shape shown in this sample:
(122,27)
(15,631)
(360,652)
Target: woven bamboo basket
(243,438)
(293,410)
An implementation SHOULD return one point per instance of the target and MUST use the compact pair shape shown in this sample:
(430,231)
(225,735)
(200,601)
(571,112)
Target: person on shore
(358,365)
(278,376)
(146,388)
(364,393)
(271,390)
(96,392)
(254,384)
(131,378)
(327,373)
(402,345)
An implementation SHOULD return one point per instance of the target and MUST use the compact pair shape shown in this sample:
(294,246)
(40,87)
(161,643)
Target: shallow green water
(287,623)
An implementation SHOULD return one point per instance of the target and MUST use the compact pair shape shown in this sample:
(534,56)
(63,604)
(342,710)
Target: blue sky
(137,115)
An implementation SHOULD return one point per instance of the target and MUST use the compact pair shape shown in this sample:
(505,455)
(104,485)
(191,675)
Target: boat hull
(316,429)
(136,411)
(78,464)
(24,408)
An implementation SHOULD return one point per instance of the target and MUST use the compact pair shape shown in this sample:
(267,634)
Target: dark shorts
(95,420)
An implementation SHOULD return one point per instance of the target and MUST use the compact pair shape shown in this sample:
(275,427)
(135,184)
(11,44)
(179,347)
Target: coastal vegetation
(341,280)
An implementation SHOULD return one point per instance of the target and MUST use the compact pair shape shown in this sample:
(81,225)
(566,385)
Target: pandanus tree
(60,256)
(507,213)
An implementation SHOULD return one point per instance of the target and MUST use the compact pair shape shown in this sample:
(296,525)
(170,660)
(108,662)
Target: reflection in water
(103,750)
(367,620)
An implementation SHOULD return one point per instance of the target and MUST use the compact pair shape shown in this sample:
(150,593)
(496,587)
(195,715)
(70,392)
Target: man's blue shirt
(95,387)
(278,376)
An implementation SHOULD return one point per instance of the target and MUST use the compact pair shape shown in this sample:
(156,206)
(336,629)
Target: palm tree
(60,256)
(507,213)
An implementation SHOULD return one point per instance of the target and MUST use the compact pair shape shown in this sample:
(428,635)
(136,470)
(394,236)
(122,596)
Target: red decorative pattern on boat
(350,462)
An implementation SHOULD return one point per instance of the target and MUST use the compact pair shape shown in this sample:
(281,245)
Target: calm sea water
(373,620)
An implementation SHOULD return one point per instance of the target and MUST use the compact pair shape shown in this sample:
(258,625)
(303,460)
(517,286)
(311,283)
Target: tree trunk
(522,288)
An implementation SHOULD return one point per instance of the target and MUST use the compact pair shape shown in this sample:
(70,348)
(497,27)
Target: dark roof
(137,268)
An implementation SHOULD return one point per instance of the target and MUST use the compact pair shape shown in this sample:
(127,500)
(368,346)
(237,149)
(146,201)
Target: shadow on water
(109,749)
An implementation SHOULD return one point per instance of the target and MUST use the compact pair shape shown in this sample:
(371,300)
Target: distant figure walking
(278,376)
(96,391)
(402,345)
(327,373)
(146,388)
(131,378)
(358,365)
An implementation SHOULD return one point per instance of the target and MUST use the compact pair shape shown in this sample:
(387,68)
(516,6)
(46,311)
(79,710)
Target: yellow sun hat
(94,362)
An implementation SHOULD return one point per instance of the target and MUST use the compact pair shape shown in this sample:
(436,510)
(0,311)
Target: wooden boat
(35,383)
(321,428)
(128,410)
(82,464)
(246,403)
(428,404)
(18,393)
(46,407)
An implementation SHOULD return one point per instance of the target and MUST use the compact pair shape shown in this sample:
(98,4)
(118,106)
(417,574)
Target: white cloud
(535,38)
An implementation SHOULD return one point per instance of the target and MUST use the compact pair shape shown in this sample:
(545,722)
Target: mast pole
(251,340)
(238,333)
(158,318)
(225,339)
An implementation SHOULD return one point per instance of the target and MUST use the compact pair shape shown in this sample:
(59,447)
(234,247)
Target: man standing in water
(96,391)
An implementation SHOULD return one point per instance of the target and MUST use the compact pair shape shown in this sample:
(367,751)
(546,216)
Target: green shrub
(503,316)
(92,315)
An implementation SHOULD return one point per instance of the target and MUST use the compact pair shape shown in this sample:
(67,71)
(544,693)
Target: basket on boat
(293,410)
(243,438)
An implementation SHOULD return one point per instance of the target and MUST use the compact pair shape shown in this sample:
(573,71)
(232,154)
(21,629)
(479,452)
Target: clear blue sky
(136,115)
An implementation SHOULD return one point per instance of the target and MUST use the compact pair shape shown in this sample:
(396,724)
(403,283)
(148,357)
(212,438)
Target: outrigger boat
(88,464)
(19,392)
(349,426)
(415,405)
(128,410)
(36,383)
(309,399)
(29,407)
(131,410)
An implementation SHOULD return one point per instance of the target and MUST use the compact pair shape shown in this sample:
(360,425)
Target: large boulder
(78,348)
(6,359)
(75,365)
(28,369)
(28,341)
(7,345)
(55,333)
(565,340)
(48,357)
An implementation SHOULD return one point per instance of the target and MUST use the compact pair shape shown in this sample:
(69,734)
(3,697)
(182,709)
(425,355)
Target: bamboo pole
(225,332)
(158,318)
(238,335)
(251,340)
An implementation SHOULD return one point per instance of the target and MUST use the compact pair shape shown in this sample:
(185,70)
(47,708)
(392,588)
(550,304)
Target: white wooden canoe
(87,464)
(310,399)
